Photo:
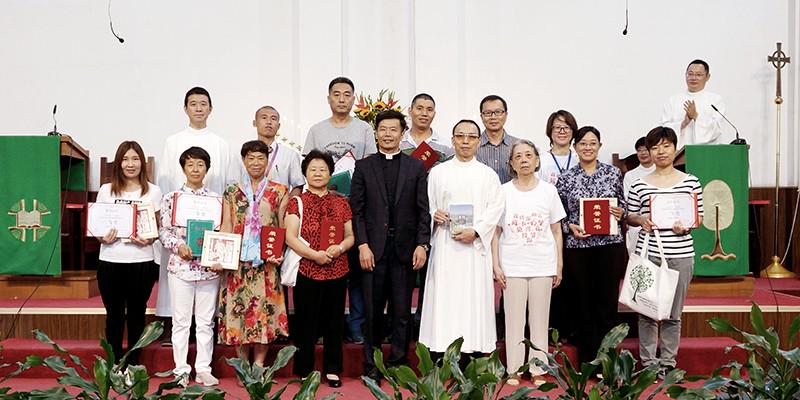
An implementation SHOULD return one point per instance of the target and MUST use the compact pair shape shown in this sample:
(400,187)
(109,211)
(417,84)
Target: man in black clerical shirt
(391,220)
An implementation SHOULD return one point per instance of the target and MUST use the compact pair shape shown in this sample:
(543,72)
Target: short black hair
(701,62)
(423,96)
(583,131)
(198,153)
(254,146)
(640,142)
(658,133)
(493,97)
(341,79)
(468,121)
(196,90)
(317,155)
(391,114)
(568,118)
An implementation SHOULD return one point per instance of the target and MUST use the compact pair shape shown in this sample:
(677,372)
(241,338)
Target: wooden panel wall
(787,199)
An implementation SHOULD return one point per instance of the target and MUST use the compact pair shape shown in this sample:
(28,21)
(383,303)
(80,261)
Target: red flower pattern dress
(251,302)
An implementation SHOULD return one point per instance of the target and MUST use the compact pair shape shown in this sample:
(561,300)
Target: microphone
(55,124)
(738,140)
(111,24)
(625,31)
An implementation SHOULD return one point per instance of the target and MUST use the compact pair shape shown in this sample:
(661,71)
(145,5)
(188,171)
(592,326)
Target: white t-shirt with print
(527,247)
(121,250)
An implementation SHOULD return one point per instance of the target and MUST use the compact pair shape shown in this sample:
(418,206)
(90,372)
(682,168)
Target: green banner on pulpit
(30,205)
(721,243)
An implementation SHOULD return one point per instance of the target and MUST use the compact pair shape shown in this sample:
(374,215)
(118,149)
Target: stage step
(696,356)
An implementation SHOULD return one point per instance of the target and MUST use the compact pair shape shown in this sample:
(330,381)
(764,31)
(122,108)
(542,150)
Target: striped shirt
(675,245)
(496,157)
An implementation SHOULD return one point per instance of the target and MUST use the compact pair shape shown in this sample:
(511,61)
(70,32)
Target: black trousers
(318,309)
(596,274)
(125,288)
(390,281)
(562,302)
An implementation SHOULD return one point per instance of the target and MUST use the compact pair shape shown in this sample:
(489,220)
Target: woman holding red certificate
(126,271)
(192,288)
(251,307)
(592,261)
(677,240)
(319,294)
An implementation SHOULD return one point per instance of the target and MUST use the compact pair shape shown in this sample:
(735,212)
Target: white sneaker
(206,379)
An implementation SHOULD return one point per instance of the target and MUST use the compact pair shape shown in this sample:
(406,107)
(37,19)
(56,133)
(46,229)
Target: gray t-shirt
(357,137)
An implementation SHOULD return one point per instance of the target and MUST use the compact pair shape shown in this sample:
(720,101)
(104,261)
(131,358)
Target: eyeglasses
(696,74)
(587,145)
(468,136)
(495,113)
(561,129)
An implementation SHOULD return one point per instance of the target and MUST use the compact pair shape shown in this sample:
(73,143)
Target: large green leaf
(375,389)
(42,337)
(284,355)
(793,329)
(425,363)
(140,379)
(406,377)
(308,390)
(55,393)
(101,371)
(520,394)
(614,337)
(757,319)
(78,382)
(111,358)
(722,325)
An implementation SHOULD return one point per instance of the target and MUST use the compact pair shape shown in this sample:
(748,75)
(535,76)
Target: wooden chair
(625,164)
(106,168)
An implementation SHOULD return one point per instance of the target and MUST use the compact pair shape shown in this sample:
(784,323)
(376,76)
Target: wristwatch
(425,246)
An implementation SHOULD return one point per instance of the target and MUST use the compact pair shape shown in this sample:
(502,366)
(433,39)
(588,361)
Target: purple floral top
(173,237)
(574,185)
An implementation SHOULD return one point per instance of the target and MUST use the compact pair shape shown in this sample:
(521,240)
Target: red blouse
(315,208)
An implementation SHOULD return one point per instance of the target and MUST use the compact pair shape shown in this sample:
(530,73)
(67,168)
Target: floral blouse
(315,209)
(172,237)
(574,185)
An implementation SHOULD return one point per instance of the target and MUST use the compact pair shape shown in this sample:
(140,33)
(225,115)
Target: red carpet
(786,293)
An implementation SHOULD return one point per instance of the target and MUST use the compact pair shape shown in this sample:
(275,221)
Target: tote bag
(291,260)
(649,289)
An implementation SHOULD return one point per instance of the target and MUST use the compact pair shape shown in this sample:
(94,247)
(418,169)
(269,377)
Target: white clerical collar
(390,156)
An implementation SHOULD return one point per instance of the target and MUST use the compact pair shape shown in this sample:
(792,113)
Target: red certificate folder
(272,240)
(330,233)
(427,154)
(596,217)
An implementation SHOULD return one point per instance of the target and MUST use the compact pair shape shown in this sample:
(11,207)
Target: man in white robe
(690,113)
(170,177)
(459,288)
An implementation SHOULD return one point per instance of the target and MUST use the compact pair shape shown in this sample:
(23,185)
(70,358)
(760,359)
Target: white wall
(540,56)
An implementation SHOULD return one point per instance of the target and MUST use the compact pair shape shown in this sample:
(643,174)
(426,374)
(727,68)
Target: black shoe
(333,382)
(375,375)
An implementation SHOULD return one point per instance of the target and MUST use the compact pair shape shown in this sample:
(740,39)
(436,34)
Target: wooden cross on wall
(778,60)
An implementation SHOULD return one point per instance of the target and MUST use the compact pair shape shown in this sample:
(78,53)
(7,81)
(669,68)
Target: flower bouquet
(366,109)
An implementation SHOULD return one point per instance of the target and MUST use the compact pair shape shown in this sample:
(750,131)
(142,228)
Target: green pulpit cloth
(723,173)
(30,205)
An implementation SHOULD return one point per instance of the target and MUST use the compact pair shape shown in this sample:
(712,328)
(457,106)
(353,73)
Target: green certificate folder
(195,230)
(341,183)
